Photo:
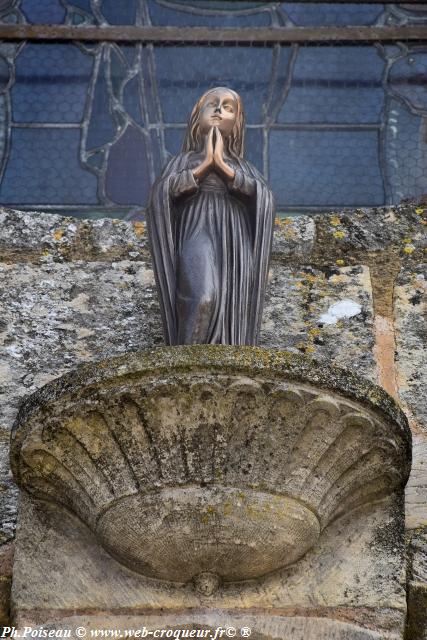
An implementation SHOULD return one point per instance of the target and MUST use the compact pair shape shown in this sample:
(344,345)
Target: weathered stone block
(326,314)
(411,340)
(372,230)
(55,316)
(294,238)
(256,466)
(417,587)
(8,491)
(416,489)
(37,237)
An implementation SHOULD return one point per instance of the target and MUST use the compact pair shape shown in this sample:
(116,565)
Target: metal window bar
(206,35)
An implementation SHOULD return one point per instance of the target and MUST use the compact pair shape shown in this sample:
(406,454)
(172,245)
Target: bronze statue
(210,223)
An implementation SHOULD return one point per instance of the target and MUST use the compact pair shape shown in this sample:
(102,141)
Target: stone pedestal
(206,487)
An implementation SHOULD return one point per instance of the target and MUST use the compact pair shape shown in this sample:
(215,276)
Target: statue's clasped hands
(214,158)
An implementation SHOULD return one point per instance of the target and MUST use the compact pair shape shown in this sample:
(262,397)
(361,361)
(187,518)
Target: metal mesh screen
(84,128)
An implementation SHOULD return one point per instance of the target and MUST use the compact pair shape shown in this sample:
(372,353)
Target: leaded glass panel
(85,127)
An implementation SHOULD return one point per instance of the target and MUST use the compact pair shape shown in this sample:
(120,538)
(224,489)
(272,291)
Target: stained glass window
(85,127)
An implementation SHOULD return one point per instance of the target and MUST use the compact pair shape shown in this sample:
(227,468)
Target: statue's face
(219,109)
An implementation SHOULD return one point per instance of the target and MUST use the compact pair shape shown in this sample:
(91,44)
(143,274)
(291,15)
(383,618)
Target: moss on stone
(245,360)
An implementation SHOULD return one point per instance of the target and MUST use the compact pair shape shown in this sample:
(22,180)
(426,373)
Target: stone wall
(348,289)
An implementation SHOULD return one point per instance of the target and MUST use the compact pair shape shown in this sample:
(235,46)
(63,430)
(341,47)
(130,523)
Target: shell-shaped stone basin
(210,460)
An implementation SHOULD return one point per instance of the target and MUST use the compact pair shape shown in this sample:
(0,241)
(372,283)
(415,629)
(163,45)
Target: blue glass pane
(253,147)
(9,18)
(80,4)
(7,5)
(51,83)
(149,93)
(117,12)
(77,18)
(340,84)
(174,139)
(43,11)
(325,14)
(43,168)
(5,74)
(127,178)
(412,13)
(328,168)
(405,153)
(185,73)
(408,80)
(131,99)
(129,51)
(102,125)
(118,69)
(210,14)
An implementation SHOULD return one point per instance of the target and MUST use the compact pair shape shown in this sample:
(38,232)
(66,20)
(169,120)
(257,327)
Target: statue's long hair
(234,144)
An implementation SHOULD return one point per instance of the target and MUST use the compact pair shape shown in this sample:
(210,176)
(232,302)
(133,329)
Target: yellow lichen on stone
(339,234)
(419,211)
(283,225)
(335,221)
(227,508)
(280,222)
(409,249)
(139,228)
(407,240)
(208,514)
(310,278)
(253,513)
(340,262)
(289,234)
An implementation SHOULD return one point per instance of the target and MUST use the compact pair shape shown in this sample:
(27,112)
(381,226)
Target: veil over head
(193,140)
(223,229)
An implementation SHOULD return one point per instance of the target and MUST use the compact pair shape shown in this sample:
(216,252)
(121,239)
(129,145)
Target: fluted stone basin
(210,460)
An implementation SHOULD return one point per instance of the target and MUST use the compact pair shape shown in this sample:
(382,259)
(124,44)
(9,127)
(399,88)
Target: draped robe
(210,245)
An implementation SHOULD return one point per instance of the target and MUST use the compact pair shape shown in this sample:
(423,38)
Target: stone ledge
(320,240)
(161,434)
(250,360)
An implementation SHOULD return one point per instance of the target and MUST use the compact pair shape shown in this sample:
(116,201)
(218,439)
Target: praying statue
(210,223)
